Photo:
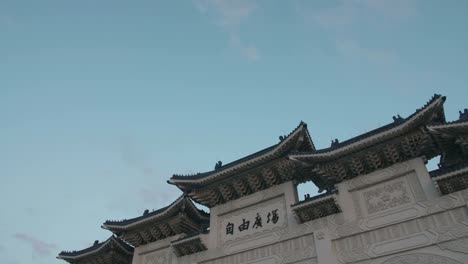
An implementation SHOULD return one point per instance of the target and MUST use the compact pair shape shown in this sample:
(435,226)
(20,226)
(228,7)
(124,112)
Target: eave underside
(314,209)
(151,232)
(187,247)
(363,161)
(451,180)
(242,184)
(107,257)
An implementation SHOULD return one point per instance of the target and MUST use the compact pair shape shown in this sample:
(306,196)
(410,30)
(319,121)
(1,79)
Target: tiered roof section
(111,251)
(452,139)
(403,139)
(316,207)
(451,179)
(250,174)
(188,245)
(181,217)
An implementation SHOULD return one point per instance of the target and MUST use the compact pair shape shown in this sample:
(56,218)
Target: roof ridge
(97,245)
(397,120)
(301,125)
(154,213)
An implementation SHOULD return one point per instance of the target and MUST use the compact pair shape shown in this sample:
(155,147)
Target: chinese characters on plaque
(250,220)
(270,218)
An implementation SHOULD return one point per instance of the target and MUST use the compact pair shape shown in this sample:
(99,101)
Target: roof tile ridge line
(90,252)
(187,239)
(333,198)
(450,174)
(119,243)
(196,209)
(301,124)
(275,147)
(444,170)
(170,206)
(453,123)
(308,137)
(320,198)
(411,117)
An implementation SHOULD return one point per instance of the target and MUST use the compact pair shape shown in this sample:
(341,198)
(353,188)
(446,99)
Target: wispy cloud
(393,9)
(39,247)
(344,19)
(134,156)
(230,16)
(5,21)
(352,49)
(248,51)
(158,195)
(347,13)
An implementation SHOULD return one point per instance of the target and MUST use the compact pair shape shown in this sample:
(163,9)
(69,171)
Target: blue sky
(102,101)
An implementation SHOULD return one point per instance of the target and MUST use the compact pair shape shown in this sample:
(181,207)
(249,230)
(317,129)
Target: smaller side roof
(100,252)
(181,204)
(454,128)
(180,217)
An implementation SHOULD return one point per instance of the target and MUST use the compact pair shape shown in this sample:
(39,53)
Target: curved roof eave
(94,249)
(120,225)
(197,178)
(436,102)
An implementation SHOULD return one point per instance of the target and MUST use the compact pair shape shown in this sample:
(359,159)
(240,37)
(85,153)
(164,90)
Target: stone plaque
(254,219)
(387,196)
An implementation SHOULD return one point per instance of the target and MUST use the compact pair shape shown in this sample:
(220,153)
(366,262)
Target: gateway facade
(379,204)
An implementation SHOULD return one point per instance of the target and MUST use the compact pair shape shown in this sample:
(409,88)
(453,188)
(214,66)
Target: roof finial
(397,118)
(96,242)
(464,114)
(218,165)
(281,138)
(146,212)
(335,143)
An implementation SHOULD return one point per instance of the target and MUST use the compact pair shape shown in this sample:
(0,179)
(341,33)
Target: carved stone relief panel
(386,196)
(294,250)
(378,176)
(420,258)
(253,220)
(156,258)
(432,229)
(340,227)
(459,245)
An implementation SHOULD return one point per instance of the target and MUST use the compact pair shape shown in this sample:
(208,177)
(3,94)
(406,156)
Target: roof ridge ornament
(463,115)
(218,165)
(96,242)
(335,143)
(397,118)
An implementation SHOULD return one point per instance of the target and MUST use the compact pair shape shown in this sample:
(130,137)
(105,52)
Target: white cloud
(393,9)
(344,18)
(39,247)
(230,16)
(134,156)
(354,50)
(248,51)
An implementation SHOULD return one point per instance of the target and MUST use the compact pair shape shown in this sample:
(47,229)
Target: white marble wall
(394,215)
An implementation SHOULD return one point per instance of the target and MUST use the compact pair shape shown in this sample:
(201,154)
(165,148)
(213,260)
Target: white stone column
(323,245)
(424,178)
